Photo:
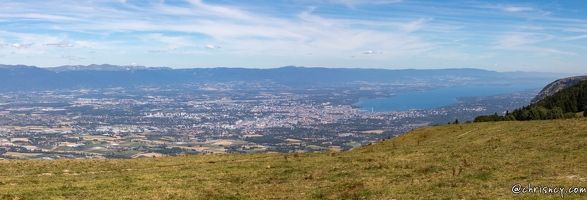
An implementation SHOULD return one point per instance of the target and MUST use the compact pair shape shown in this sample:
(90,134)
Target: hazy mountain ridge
(102,67)
(21,77)
(558,85)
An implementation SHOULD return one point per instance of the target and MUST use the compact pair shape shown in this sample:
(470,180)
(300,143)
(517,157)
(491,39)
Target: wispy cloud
(528,42)
(211,46)
(574,37)
(71,58)
(506,7)
(516,8)
(372,52)
(326,29)
(510,40)
(170,41)
(41,17)
(60,44)
(22,45)
(460,56)
(355,3)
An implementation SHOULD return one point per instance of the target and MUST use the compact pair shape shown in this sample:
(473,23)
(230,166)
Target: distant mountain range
(22,77)
(103,67)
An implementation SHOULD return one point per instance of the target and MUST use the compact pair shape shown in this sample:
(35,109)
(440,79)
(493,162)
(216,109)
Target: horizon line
(286,66)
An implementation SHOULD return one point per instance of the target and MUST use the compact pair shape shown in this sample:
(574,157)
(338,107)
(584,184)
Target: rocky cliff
(557,86)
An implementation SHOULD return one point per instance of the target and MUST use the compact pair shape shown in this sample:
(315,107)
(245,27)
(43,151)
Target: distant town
(215,118)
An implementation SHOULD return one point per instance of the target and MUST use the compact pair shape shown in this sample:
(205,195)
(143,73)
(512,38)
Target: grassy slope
(492,157)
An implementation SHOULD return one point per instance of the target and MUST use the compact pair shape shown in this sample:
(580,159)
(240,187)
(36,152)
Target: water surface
(437,98)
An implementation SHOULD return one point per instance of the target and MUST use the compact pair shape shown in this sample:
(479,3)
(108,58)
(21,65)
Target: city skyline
(389,34)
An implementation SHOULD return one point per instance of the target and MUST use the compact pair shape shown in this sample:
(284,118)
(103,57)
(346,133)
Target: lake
(438,98)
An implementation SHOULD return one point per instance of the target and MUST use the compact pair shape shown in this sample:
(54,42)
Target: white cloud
(30,38)
(516,9)
(36,16)
(211,46)
(577,37)
(22,45)
(528,42)
(171,50)
(415,25)
(60,44)
(574,37)
(157,51)
(576,30)
(233,25)
(170,41)
(459,55)
(355,3)
(372,52)
(402,29)
(512,40)
(222,11)
(71,58)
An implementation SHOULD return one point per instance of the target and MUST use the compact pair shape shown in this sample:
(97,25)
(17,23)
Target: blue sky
(549,36)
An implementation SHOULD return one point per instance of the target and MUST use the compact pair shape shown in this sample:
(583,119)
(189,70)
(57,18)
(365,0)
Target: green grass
(466,161)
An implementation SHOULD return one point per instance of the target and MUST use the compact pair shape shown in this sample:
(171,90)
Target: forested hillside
(566,103)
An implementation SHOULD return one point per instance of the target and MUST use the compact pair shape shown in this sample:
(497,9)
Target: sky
(543,36)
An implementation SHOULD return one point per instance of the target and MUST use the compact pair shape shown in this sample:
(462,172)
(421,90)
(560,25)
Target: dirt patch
(222,142)
(19,140)
(373,132)
(150,155)
(252,135)
(293,140)
(31,147)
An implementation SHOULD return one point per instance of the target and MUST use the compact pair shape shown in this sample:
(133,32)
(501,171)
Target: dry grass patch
(466,161)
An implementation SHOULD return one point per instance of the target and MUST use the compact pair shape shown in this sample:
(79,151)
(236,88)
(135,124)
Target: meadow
(457,161)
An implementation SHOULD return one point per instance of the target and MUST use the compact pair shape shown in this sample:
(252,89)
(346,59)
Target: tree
(456,121)
(534,113)
(555,113)
(510,118)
